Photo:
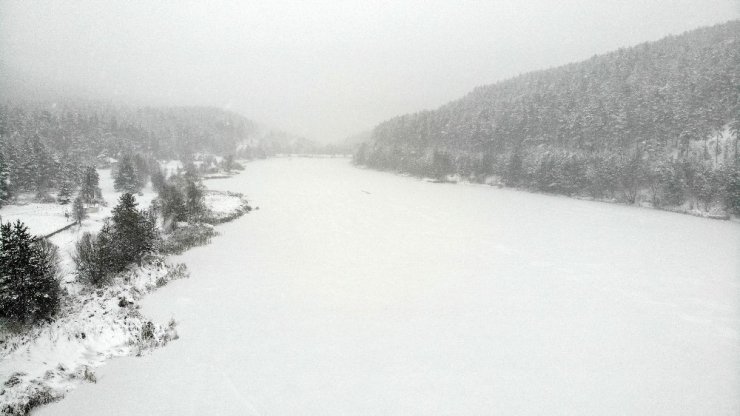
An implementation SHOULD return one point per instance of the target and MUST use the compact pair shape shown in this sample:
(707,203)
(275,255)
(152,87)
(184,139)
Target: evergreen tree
(732,188)
(229,163)
(673,188)
(441,165)
(142,169)
(10,156)
(194,201)
(4,180)
(191,171)
(90,189)
(39,166)
(158,179)
(172,204)
(705,186)
(65,192)
(29,289)
(78,210)
(126,178)
(514,168)
(134,231)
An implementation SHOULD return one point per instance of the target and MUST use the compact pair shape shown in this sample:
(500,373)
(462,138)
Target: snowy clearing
(42,219)
(355,292)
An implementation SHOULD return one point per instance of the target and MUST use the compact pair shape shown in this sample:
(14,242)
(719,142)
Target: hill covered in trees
(656,122)
(44,146)
(90,128)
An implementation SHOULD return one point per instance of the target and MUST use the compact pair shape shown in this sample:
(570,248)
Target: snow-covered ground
(93,324)
(42,219)
(356,292)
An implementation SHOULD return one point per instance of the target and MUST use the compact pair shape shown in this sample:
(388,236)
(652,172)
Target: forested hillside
(44,146)
(89,129)
(657,122)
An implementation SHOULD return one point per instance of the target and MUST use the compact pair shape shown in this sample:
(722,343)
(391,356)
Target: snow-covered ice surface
(355,292)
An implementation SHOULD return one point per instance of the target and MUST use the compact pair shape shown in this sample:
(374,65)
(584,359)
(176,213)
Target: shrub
(184,238)
(89,376)
(95,257)
(147,331)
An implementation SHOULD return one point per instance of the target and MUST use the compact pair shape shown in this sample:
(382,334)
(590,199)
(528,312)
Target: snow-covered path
(354,292)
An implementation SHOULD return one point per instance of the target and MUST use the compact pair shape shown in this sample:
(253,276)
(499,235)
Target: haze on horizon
(324,70)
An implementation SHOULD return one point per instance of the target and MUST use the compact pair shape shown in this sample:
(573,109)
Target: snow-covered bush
(94,257)
(186,237)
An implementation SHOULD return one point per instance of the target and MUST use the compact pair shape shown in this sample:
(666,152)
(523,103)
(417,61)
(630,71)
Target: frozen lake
(355,292)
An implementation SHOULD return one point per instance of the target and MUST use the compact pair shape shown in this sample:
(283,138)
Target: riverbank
(41,364)
(642,200)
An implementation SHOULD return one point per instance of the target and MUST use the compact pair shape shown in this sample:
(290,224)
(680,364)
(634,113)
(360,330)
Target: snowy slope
(355,292)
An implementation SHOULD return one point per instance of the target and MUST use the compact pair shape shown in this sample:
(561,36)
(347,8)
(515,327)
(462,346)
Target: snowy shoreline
(684,209)
(40,364)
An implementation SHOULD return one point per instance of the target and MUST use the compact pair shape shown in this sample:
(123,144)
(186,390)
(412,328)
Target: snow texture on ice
(355,292)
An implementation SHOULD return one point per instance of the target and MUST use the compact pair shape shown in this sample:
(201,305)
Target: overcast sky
(326,69)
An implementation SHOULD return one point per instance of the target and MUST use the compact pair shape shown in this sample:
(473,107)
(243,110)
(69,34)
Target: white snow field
(355,292)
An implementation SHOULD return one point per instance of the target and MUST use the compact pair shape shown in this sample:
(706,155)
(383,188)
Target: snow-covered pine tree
(29,289)
(66,189)
(126,179)
(90,179)
(141,168)
(157,177)
(172,204)
(134,231)
(78,210)
(4,180)
(194,203)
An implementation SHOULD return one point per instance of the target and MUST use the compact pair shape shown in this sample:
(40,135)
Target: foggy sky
(326,69)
